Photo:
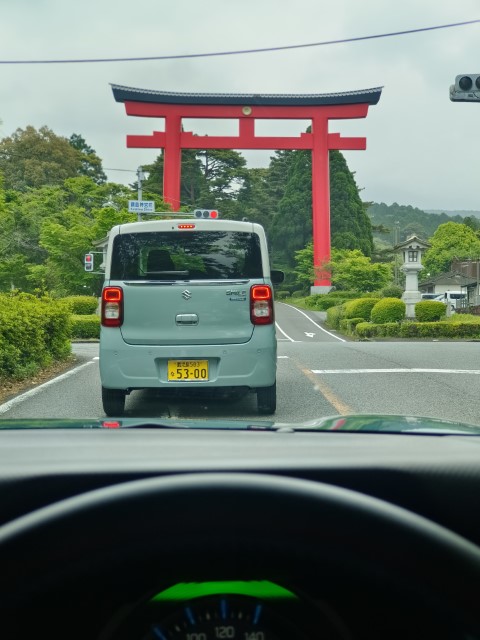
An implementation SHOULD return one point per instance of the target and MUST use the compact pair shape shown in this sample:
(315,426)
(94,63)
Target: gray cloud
(421,148)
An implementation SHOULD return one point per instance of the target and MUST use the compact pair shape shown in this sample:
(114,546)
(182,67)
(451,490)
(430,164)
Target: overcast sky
(422,149)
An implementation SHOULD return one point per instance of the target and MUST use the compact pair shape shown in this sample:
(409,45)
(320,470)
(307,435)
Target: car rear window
(203,255)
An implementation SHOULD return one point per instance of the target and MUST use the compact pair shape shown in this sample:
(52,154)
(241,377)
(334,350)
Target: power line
(245,51)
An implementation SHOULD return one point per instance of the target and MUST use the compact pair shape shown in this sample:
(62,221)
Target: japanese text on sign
(141,206)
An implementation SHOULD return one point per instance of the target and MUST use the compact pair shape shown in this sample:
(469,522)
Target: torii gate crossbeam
(319,109)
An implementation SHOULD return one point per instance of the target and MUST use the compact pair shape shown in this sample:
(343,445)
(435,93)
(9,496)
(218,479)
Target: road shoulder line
(33,392)
(313,322)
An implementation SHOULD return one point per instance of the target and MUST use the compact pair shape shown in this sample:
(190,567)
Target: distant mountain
(462,212)
(395,223)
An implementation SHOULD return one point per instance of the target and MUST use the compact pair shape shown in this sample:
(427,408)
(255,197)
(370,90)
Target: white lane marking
(33,392)
(313,322)
(309,335)
(96,358)
(285,357)
(475,372)
(282,331)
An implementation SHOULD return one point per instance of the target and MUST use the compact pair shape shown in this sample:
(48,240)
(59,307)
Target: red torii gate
(246,108)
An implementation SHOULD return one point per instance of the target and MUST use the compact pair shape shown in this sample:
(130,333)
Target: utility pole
(140,177)
(395,242)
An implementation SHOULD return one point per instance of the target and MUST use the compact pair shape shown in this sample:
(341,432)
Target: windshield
(204,218)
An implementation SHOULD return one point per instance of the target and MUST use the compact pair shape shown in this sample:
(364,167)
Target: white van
(187,305)
(456,299)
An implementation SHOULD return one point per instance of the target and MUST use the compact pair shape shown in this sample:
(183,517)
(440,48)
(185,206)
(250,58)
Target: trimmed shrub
(388,310)
(371,330)
(282,295)
(81,305)
(393,291)
(33,333)
(348,324)
(85,327)
(365,330)
(323,301)
(430,310)
(440,330)
(334,316)
(388,330)
(360,308)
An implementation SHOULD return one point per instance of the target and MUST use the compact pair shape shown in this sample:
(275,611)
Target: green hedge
(85,327)
(388,310)
(33,334)
(418,330)
(430,310)
(348,324)
(440,330)
(392,291)
(334,316)
(323,301)
(81,305)
(360,308)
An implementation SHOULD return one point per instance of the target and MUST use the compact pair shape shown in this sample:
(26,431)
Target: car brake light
(112,306)
(261,304)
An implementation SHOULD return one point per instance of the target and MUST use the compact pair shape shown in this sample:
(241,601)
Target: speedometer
(237,610)
(224,616)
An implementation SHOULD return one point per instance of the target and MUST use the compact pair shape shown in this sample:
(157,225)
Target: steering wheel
(188,524)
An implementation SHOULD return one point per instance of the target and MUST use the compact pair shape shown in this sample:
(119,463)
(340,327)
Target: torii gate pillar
(319,109)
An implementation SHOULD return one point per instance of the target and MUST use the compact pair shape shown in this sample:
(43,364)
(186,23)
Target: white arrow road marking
(313,322)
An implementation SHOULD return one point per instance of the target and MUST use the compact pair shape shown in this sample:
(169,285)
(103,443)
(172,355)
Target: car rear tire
(267,399)
(113,401)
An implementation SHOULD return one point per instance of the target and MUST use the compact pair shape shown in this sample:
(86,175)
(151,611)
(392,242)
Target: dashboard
(255,535)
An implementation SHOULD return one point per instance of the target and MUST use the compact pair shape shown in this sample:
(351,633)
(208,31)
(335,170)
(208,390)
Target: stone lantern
(411,250)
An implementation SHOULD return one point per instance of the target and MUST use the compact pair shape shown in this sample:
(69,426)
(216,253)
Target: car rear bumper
(124,366)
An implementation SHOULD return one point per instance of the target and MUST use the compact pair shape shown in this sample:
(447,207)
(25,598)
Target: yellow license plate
(192,370)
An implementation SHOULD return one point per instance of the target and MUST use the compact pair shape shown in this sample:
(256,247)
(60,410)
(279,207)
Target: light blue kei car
(187,305)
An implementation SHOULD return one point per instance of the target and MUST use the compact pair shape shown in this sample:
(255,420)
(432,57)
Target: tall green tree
(209,178)
(451,240)
(291,227)
(193,185)
(90,163)
(224,171)
(32,159)
(349,270)
(350,224)
(45,232)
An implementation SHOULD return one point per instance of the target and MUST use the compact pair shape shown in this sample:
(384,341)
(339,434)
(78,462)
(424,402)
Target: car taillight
(112,306)
(261,304)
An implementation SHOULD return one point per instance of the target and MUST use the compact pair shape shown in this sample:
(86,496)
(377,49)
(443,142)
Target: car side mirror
(277,276)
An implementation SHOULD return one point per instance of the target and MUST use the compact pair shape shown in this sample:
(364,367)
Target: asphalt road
(319,374)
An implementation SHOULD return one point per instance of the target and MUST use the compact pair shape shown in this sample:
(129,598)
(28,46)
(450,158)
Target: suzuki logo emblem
(186,294)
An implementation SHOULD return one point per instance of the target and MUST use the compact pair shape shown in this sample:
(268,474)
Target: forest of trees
(410,221)
(55,202)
